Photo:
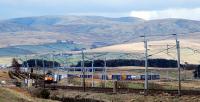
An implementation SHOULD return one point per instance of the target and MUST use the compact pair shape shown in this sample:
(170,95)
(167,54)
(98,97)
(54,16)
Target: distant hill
(63,23)
(35,49)
(93,31)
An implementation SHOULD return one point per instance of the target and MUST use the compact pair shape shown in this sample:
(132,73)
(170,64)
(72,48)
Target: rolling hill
(189,50)
(32,34)
(36,49)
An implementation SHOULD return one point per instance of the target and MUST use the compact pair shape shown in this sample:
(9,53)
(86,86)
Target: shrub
(39,92)
(122,84)
(154,86)
(18,84)
(44,93)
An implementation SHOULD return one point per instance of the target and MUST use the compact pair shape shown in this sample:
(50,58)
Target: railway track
(108,90)
(125,90)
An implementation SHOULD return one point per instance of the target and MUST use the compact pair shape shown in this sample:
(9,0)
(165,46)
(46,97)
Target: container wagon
(72,76)
(104,77)
(150,77)
(116,77)
(85,76)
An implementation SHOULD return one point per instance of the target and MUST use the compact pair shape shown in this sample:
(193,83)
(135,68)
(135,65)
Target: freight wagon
(116,77)
(85,76)
(72,75)
(132,77)
(125,77)
(104,77)
(150,77)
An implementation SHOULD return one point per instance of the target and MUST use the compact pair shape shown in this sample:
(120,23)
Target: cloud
(113,8)
(193,14)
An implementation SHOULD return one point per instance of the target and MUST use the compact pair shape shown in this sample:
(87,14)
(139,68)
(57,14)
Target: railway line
(108,90)
(124,90)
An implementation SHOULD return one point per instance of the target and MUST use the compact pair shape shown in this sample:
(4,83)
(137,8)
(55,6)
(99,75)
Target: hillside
(17,95)
(42,48)
(87,29)
(190,51)
(28,34)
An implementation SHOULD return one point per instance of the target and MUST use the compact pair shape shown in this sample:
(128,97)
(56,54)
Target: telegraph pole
(27,64)
(52,55)
(53,61)
(146,65)
(92,72)
(167,54)
(28,77)
(43,69)
(178,64)
(66,66)
(197,69)
(36,72)
(105,72)
(43,66)
(83,69)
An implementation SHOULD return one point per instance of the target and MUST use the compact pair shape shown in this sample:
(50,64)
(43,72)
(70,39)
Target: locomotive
(50,77)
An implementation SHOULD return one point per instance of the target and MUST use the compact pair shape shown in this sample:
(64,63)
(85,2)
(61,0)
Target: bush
(44,93)
(196,72)
(102,84)
(39,92)
(18,84)
(154,86)
(121,84)
(74,81)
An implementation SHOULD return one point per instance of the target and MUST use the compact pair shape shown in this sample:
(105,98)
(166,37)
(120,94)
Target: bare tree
(15,65)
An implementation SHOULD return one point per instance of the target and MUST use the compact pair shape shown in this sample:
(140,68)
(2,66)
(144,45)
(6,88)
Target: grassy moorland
(10,93)
(125,97)
(5,60)
(18,95)
(189,50)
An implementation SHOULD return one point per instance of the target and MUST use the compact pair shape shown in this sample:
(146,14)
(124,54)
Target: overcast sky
(146,9)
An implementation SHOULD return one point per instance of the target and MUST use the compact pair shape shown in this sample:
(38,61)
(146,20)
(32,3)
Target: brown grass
(127,97)
(18,95)
(187,55)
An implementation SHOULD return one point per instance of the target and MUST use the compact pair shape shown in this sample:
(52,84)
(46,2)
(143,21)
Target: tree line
(196,72)
(39,63)
(162,63)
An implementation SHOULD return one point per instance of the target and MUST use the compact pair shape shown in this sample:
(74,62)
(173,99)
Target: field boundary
(124,90)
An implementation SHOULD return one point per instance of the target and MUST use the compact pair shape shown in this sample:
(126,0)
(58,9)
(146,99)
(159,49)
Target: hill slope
(42,48)
(93,31)
(90,29)
(189,50)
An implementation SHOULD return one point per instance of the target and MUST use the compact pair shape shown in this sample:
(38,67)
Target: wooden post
(115,87)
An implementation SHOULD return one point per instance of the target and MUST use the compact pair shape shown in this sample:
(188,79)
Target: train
(135,77)
(51,77)
(114,76)
(150,77)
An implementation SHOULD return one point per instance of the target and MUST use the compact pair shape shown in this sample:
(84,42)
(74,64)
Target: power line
(162,51)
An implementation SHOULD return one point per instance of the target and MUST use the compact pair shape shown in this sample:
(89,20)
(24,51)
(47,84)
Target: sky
(146,9)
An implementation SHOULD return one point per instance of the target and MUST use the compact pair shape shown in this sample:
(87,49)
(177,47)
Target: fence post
(115,87)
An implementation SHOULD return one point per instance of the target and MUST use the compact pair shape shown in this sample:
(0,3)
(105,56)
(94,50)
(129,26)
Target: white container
(55,77)
(133,77)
